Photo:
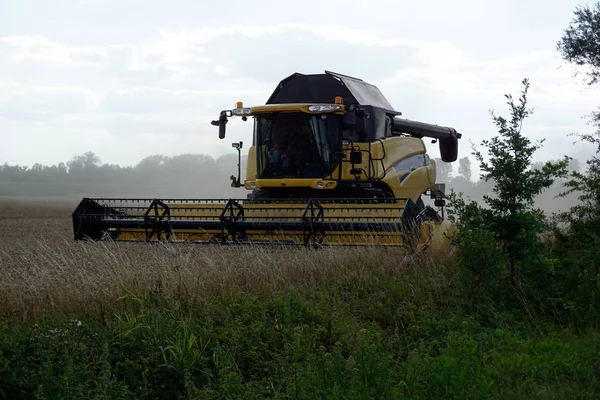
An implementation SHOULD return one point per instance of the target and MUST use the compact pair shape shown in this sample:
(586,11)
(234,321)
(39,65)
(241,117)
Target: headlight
(324,108)
(252,185)
(319,185)
(241,111)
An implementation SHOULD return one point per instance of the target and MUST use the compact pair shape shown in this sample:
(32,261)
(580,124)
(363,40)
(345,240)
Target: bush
(500,245)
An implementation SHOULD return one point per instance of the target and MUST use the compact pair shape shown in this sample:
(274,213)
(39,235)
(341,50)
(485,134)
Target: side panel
(400,162)
(396,149)
(411,184)
(409,172)
(433,173)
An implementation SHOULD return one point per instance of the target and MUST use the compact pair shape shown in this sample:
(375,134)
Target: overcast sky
(128,79)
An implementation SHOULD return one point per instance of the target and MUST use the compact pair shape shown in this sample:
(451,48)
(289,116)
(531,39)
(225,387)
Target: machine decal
(413,162)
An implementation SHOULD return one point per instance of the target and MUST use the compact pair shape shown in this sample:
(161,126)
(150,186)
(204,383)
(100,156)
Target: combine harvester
(331,163)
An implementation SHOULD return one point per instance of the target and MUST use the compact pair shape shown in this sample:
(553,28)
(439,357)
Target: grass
(117,320)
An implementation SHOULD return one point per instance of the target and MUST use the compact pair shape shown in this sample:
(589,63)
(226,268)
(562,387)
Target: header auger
(330,162)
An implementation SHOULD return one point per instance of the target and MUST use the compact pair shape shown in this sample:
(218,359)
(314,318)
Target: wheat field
(44,269)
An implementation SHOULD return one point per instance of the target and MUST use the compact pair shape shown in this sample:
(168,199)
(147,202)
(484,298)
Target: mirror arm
(236,182)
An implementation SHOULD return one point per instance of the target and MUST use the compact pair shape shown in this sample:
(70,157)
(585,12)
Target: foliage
(577,233)
(482,261)
(577,230)
(580,43)
(509,164)
(309,343)
(505,235)
(586,185)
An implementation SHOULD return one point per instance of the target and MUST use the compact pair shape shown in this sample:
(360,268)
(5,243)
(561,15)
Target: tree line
(188,175)
(86,174)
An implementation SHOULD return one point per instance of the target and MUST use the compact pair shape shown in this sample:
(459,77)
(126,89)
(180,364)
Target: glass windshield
(296,145)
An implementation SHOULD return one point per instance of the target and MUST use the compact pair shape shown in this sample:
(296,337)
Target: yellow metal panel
(394,149)
(283,212)
(251,164)
(288,211)
(415,183)
(398,148)
(432,173)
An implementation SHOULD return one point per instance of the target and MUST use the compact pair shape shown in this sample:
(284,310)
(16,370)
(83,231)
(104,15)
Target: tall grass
(59,275)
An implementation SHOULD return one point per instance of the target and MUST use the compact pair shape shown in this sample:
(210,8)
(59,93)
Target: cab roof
(323,89)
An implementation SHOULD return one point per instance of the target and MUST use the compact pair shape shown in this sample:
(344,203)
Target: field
(108,320)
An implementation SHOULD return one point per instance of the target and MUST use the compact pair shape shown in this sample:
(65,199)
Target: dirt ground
(24,218)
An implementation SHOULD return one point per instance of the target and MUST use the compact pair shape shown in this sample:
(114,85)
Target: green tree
(86,161)
(579,244)
(580,43)
(515,183)
(578,241)
(587,185)
(464,168)
(510,219)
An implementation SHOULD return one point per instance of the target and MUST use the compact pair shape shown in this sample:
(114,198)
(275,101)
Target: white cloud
(142,94)
(161,100)
(47,102)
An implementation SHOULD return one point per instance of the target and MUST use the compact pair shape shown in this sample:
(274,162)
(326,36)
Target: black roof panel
(323,88)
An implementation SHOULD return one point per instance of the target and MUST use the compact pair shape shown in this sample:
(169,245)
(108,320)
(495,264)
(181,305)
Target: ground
(118,320)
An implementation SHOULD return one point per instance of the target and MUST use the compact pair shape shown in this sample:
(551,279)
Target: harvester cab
(330,162)
(334,136)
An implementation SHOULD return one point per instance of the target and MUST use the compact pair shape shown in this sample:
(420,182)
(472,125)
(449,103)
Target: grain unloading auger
(331,162)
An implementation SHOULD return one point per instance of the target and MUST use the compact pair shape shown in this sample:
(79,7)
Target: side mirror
(222,123)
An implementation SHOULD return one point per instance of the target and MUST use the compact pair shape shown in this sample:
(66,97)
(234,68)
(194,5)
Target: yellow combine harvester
(331,162)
